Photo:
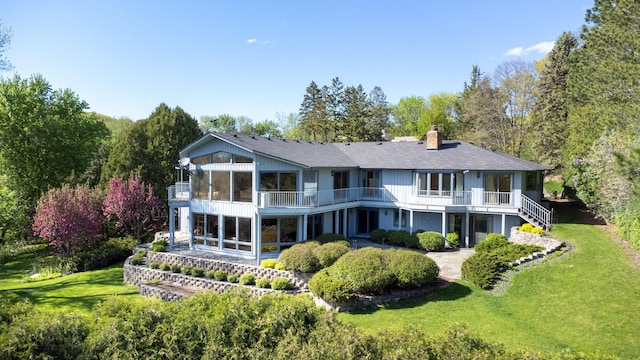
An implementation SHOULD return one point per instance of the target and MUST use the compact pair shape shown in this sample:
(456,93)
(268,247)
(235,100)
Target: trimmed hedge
(327,254)
(104,253)
(365,269)
(431,241)
(281,283)
(379,236)
(329,237)
(300,257)
(491,242)
(331,288)
(453,239)
(482,269)
(411,269)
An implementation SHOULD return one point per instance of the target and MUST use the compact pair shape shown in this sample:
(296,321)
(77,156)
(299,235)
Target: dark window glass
(242,182)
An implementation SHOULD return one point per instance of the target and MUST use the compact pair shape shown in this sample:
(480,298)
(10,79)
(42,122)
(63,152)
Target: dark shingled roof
(452,155)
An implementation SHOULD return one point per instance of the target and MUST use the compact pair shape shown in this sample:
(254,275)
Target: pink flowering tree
(69,218)
(130,204)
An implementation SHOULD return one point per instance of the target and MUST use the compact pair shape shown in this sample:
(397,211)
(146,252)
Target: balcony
(313,199)
(302,199)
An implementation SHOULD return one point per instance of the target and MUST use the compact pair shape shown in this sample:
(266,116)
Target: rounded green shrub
(197,272)
(482,269)
(247,279)
(186,270)
(175,268)
(491,242)
(453,239)
(365,269)
(330,237)
(158,247)
(300,257)
(379,236)
(263,283)
(397,237)
(220,275)
(210,274)
(154,265)
(331,288)
(268,263)
(141,253)
(431,241)
(165,267)
(232,278)
(411,269)
(412,241)
(512,252)
(281,283)
(137,260)
(327,254)
(279,266)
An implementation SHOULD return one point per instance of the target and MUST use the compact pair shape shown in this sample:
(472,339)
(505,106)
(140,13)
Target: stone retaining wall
(143,276)
(367,301)
(298,280)
(166,295)
(526,238)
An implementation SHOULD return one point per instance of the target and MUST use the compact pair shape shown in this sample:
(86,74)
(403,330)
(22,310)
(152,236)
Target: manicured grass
(76,292)
(586,301)
(551,186)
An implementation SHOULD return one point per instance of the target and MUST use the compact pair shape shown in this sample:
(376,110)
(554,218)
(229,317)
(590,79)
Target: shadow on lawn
(569,211)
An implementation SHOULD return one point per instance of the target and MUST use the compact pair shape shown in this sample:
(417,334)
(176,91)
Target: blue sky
(256,58)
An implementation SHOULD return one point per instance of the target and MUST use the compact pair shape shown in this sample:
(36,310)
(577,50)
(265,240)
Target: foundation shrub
(281,283)
(431,241)
(175,268)
(331,288)
(209,274)
(537,231)
(379,236)
(398,237)
(492,242)
(412,241)
(411,269)
(300,257)
(482,269)
(279,266)
(528,227)
(327,254)
(453,239)
(165,267)
(247,279)
(330,237)
(186,270)
(365,269)
(154,265)
(268,263)
(263,283)
(220,275)
(232,278)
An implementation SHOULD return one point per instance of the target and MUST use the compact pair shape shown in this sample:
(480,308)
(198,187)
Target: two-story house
(253,197)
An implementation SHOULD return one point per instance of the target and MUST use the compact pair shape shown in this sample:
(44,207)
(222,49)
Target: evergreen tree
(314,113)
(550,116)
(356,114)
(379,114)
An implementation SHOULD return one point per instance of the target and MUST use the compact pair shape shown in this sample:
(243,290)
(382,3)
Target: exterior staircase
(535,213)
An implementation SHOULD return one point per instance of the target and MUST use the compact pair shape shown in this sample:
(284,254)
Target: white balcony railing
(179,191)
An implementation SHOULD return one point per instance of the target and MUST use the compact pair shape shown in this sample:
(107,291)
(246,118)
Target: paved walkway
(449,262)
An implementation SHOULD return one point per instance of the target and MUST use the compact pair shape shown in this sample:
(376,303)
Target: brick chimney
(434,139)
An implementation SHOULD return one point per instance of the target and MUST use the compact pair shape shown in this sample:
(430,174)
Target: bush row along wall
(526,238)
(298,280)
(368,301)
(142,275)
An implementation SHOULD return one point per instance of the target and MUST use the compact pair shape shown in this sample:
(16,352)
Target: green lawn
(586,301)
(551,186)
(76,292)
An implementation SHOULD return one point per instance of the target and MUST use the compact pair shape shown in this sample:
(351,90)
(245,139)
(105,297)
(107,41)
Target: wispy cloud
(541,48)
(261,42)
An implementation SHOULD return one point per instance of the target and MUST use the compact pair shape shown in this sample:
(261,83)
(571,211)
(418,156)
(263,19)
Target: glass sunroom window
(221,185)
(242,182)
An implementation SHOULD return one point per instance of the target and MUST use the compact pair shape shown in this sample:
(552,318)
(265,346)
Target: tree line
(574,111)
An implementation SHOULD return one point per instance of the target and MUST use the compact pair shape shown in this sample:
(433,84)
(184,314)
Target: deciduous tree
(69,218)
(5,41)
(131,204)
